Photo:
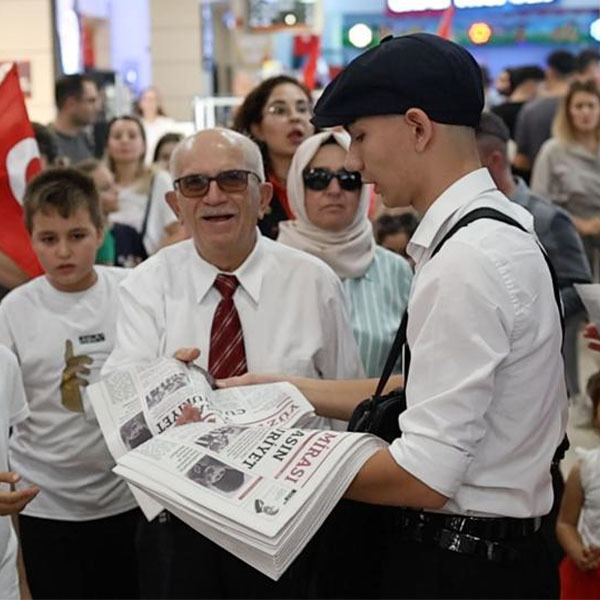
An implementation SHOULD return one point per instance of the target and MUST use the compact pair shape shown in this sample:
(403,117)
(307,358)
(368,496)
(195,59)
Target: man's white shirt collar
(250,273)
(459,194)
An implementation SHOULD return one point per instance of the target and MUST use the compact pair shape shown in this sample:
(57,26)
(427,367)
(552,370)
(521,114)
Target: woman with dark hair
(276,114)
(164,148)
(142,191)
(567,168)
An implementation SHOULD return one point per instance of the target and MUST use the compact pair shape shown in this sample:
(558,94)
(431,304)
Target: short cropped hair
(491,124)
(63,190)
(388,224)
(563,62)
(520,75)
(69,86)
(586,58)
(46,143)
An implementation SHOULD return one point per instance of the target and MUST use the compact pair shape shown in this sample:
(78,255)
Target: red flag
(19,162)
(310,69)
(445,25)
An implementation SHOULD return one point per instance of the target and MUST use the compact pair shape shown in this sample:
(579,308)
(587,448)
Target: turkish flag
(444,28)
(313,49)
(19,162)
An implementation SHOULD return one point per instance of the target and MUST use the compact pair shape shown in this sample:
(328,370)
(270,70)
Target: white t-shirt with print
(57,448)
(13,409)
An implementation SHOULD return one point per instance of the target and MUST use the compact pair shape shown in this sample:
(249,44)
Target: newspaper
(247,475)
(590,296)
(259,492)
(141,401)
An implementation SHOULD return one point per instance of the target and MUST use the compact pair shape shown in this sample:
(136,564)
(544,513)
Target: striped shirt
(378,300)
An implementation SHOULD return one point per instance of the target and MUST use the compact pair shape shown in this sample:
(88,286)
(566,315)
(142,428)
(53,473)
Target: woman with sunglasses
(330,208)
(276,115)
(141,190)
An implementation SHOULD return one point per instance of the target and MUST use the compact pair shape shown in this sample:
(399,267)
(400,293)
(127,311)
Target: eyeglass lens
(319,179)
(282,109)
(194,186)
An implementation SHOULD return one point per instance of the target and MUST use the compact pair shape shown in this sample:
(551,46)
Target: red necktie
(227,356)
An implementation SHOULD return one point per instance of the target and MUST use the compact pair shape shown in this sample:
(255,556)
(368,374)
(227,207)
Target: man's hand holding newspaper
(245,474)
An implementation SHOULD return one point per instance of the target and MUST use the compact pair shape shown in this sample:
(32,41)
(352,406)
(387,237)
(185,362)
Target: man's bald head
(228,198)
(221,140)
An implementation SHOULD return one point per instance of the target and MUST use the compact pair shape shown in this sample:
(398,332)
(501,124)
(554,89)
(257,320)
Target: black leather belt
(487,538)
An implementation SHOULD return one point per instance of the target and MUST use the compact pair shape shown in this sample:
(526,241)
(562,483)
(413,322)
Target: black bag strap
(496,215)
(400,339)
(393,355)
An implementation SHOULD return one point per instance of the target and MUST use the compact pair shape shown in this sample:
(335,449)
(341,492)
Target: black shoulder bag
(350,544)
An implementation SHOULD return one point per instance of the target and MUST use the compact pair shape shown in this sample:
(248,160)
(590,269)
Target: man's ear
(266,193)
(421,128)
(173,201)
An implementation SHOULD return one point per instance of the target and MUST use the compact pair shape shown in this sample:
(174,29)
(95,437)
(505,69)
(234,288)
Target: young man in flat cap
(485,393)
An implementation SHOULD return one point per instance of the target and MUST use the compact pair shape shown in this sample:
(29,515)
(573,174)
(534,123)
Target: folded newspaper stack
(247,476)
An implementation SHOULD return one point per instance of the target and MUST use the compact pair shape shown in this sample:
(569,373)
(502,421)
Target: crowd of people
(257,251)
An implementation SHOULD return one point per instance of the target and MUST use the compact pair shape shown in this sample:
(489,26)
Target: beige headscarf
(348,252)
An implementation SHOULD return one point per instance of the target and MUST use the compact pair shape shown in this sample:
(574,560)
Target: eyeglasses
(197,185)
(319,179)
(282,110)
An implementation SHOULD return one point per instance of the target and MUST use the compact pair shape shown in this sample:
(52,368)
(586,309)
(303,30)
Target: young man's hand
(12,501)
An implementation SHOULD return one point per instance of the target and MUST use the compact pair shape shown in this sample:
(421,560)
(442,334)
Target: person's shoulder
(489,239)
(552,145)
(391,260)
(8,360)
(288,259)
(112,275)
(155,268)
(25,292)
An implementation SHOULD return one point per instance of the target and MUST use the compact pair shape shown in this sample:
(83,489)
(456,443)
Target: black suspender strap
(400,339)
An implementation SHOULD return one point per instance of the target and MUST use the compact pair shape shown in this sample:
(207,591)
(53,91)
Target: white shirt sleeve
(13,390)
(139,323)
(456,349)
(160,214)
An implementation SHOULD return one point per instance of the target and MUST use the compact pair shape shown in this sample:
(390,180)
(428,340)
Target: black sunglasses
(197,185)
(319,179)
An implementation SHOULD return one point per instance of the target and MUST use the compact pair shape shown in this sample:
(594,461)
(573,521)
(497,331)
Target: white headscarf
(348,252)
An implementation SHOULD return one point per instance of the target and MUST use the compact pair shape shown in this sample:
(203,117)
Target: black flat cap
(420,70)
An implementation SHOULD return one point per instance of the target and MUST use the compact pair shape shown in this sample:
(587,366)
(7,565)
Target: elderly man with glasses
(234,301)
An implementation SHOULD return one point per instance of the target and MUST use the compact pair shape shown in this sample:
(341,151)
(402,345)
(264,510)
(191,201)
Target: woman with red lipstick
(567,169)
(141,190)
(276,114)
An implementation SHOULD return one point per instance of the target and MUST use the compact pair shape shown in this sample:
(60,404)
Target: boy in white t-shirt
(13,408)
(77,534)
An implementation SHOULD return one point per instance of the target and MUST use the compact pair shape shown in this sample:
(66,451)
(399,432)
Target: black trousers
(81,559)
(175,561)
(417,570)
(360,554)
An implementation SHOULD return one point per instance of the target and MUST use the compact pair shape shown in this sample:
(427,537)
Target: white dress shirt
(291,307)
(486,396)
